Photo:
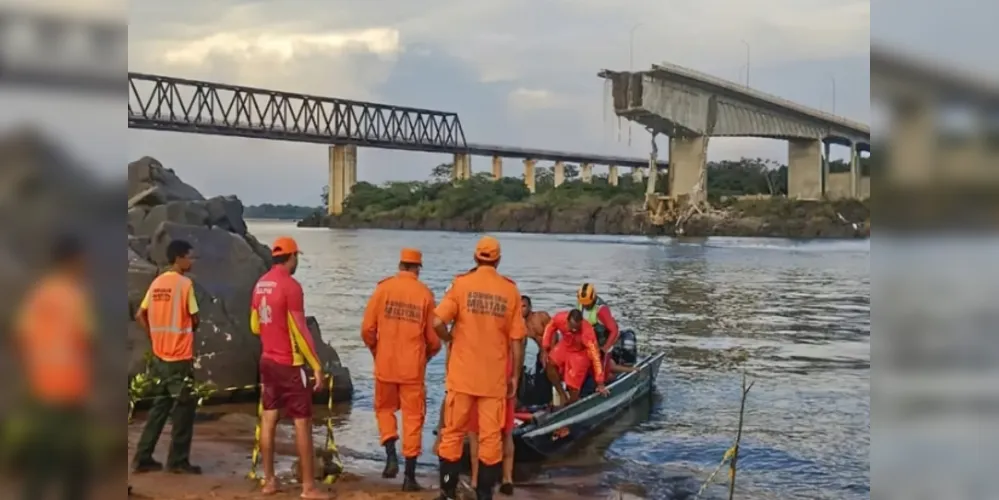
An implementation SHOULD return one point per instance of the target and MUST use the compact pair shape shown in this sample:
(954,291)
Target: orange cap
(411,256)
(284,246)
(488,249)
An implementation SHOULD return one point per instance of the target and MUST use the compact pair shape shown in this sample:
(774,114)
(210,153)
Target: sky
(518,72)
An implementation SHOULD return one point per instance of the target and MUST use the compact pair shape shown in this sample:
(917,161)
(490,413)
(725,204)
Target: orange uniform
(398,328)
(54,328)
(170,305)
(486,310)
(575,353)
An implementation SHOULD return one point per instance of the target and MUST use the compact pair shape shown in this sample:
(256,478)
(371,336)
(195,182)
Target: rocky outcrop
(771,217)
(163,208)
(586,217)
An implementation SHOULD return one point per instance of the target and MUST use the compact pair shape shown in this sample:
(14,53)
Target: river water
(794,315)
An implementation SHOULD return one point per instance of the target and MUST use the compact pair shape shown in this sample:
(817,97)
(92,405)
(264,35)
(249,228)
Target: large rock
(229,260)
(148,172)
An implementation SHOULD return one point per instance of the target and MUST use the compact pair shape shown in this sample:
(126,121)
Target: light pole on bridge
(748,60)
(631,46)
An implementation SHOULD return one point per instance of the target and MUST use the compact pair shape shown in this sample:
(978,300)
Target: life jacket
(590,315)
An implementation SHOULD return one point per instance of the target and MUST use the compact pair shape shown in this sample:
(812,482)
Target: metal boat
(546,433)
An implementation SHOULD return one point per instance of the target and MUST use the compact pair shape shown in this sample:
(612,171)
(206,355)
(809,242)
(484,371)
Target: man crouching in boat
(573,356)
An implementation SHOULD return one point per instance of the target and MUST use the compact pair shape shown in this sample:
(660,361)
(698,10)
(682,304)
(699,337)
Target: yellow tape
(255,459)
(331,440)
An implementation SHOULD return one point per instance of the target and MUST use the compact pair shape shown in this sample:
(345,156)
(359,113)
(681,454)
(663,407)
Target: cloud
(518,72)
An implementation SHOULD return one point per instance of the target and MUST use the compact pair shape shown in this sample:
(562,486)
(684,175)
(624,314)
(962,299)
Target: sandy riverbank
(223,444)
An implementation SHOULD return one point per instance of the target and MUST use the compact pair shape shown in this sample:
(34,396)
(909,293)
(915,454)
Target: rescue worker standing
(169,314)
(54,331)
(398,328)
(277,315)
(488,328)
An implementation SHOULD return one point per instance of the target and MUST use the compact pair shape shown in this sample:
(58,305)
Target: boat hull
(552,433)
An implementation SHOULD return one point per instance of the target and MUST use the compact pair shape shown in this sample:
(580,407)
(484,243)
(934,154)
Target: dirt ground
(222,447)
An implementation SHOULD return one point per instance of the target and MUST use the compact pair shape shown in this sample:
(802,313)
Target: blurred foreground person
(169,314)
(398,328)
(278,316)
(55,335)
(488,327)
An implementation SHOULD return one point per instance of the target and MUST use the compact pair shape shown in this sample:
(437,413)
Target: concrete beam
(804,169)
(530,179)
(461,170)
(497,168)
(687,165)
(612,175)
(342,176)
(586,171)
(559,173)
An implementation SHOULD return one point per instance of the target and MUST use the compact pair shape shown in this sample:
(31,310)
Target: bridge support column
(343,176)
(529,176)
(854,171)
(612,175)
(559,173)
(687,163)
(462,168)
(804,169)
(826,162)
(912,151)
(586,171)
(497,168)
(638,175)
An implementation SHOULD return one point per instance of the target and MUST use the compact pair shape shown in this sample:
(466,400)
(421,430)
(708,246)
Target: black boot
(409,476)
(489,475)
(450,472)
(391,460)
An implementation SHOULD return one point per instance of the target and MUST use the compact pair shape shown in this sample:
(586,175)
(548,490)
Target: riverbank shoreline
(755,217)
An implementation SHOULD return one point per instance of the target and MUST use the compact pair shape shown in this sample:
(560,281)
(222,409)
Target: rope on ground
(334,474)
(255,458)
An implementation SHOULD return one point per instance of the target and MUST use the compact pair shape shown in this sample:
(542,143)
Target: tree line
(439,197)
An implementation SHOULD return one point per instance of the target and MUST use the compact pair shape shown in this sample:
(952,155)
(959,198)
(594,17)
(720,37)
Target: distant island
(745,198)
(280,212)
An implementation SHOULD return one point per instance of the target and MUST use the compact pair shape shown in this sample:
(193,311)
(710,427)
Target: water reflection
(796,315)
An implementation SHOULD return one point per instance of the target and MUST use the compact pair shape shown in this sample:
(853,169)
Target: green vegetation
(441,199)
(282,212)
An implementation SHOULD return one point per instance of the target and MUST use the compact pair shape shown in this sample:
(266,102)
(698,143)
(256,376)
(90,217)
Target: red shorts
(573,366)
(285,388)
(473,419)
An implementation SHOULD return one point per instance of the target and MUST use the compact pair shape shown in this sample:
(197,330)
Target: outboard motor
(625,351)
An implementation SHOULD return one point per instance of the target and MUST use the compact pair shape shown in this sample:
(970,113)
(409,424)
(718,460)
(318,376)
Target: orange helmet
(586,295)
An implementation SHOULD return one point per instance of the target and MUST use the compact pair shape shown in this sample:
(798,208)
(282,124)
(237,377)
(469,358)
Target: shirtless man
(536,320)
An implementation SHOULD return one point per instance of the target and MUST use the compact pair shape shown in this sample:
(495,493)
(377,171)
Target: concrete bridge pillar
(586,170)
(529,176)
(343,176)
(912,149)
(854,171)
(638,174)
(497,168)
(559,173)
(687,163)
(804,169)
(612,175)
(461,170)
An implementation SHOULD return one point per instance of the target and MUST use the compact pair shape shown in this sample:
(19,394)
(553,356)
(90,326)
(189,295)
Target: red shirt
(575,341)
(278,316)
